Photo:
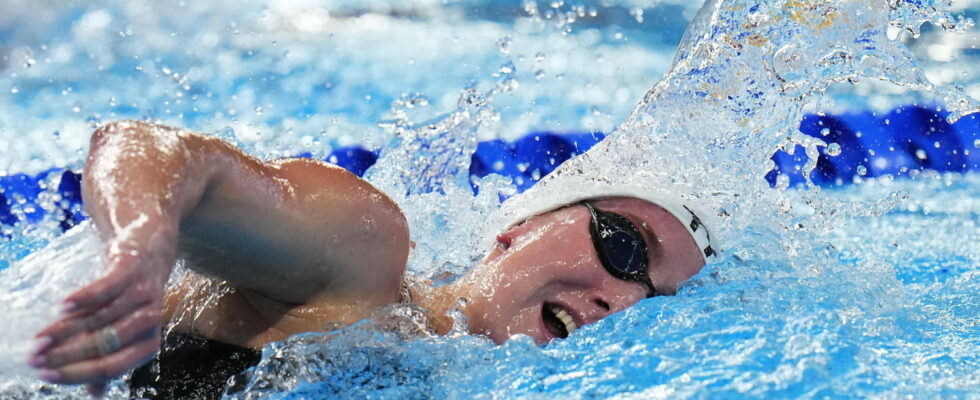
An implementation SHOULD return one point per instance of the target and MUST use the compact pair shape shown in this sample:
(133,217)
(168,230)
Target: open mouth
(558,321)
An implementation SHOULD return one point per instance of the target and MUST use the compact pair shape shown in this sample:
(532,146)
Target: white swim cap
(557,193)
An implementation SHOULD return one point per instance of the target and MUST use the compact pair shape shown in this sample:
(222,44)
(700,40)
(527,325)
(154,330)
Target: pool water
(826,288)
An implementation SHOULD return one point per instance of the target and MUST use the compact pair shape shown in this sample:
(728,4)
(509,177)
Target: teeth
(563,315)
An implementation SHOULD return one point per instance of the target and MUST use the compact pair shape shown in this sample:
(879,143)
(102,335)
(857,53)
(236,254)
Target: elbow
(116,129)
(122,133)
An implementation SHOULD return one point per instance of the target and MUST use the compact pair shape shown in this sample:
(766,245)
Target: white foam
(32,289)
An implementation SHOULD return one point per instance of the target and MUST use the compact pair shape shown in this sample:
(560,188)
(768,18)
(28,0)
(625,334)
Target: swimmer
(301,244)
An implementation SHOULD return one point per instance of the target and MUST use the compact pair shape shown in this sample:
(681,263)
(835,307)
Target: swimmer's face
(545,272)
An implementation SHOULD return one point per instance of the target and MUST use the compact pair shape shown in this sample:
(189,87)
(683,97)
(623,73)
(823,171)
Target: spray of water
(780,308)
(743,77)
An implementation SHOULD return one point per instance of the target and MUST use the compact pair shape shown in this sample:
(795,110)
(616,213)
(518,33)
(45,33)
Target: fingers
(131,329)
(102,290)
(105,368)
(80,322)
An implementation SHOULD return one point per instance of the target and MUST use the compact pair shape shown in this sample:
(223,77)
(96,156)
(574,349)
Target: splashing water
(814,296)
(779,316)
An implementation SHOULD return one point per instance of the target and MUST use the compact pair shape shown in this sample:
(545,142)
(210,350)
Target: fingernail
(42,343)
(68,307)
(37,361)
(50,375)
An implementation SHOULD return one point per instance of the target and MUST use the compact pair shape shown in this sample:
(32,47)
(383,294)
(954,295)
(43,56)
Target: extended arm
(290,230)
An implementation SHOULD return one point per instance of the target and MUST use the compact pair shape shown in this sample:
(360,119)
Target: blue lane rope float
(905,141)
(902,142)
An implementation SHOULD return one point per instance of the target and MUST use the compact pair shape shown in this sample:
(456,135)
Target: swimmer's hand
(113,323)
(135,189)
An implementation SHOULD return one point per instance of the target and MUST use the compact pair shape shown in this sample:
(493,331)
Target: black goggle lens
(620,246)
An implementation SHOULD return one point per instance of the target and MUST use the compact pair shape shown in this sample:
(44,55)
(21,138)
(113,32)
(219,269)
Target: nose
(614,295)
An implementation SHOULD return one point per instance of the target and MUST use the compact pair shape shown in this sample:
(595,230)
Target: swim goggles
(621,247)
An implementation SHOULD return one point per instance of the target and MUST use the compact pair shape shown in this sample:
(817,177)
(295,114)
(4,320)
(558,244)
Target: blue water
(885,305)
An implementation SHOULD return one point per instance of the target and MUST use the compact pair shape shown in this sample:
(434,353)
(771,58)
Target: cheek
(525,322)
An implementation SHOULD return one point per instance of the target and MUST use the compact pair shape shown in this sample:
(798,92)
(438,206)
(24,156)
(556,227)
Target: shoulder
(365,230)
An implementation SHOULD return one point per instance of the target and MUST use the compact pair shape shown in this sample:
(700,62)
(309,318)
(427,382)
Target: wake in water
(785,312)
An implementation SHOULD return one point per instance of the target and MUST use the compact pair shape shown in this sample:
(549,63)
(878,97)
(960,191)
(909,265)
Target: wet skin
(550,259)
(301,244)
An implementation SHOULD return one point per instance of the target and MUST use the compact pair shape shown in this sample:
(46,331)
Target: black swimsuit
(192,367)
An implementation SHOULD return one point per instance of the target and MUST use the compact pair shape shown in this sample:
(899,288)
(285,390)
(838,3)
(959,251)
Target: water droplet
(507,68)
(862,170)
(14,90)
(76,109)
(503,44)
(539,57)
(921,154)
(539,74)
(258,110)
(976,144)
(508,84)
(833,150)
(638,14)
(824,132)
(782,182)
